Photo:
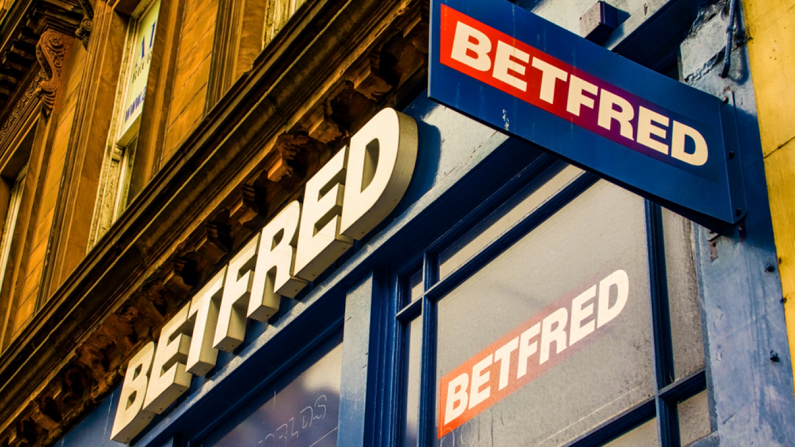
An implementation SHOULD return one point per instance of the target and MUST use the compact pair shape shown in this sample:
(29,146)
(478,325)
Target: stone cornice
(316,84)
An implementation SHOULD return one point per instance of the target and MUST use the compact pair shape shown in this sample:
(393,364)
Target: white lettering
(463,44)
(579,313)
(130,418)
(169,379)
(646,129)
(699,155)
(456,397)
(503,355)
(275,259)
(576,98)
(319,240)
(607,112)
(204,315)
(504,61)
(550,74)
(526,348)
(620,280)
(380,162)
(231,328)
(553,329)
(479,379)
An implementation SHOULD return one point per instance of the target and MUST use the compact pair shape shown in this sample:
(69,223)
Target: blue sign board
(512,70)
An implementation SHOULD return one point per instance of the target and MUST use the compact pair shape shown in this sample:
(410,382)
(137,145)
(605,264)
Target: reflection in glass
(642,436)
(300,410)
(411,396)
(686,341)
(523,203)
(608,371)
(694,418)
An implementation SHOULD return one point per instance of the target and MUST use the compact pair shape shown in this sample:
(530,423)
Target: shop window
(120,178)
(300,410)
(551,319)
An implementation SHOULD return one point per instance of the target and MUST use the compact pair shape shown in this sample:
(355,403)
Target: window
(118,185)
(277,15)
(301,409)
(17,303)
(12,211)
(552,319)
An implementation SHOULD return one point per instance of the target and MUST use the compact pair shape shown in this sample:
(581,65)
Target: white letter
(380,163)
(477,395)
(275,259)
(559,318)
(456,397)
(576,98)
(623,115)
(578,313)
(619,279)
(204,313)
(503,63)
(646,129)
(169,378)
(319,240)
(130,418)
(504,356)
(526,349)
(550,73)
(231,328)
(699,156)
(463,43)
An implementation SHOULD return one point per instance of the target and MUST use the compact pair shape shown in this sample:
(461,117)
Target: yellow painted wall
(771,27)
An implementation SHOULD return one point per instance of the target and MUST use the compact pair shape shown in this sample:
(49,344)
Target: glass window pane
(411,396)
(504,335)
(414,286)
(688,348)
(299,410)
(694,418)
(523,203)
(642,436)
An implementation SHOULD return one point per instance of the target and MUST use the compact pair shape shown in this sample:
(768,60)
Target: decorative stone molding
(22,109)
(50,52)
(83,32)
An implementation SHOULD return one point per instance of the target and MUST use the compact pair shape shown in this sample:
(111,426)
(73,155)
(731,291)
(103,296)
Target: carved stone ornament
(87,24)
(50,52)
(21,109)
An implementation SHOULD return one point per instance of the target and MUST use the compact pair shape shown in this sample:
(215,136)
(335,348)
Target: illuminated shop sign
(514,71)
(343,201)
(542,342)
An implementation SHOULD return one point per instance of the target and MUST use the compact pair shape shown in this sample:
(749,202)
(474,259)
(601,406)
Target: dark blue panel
(94,430)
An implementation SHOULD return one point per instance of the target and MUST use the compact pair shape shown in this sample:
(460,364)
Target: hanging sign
(512,70)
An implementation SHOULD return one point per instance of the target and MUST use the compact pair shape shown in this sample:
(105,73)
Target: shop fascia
(343,201)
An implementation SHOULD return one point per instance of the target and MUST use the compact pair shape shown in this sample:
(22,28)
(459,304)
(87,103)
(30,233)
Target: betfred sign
(514,71)
(528,351)
(343,201)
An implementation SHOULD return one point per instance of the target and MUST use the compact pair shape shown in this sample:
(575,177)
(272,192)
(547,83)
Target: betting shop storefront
(485,291)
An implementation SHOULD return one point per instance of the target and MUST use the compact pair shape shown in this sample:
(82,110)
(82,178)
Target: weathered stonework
(145,268)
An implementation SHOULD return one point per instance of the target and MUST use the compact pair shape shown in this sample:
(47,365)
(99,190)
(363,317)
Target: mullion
(667,420)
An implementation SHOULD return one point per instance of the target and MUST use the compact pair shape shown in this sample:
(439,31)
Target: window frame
(131,156)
